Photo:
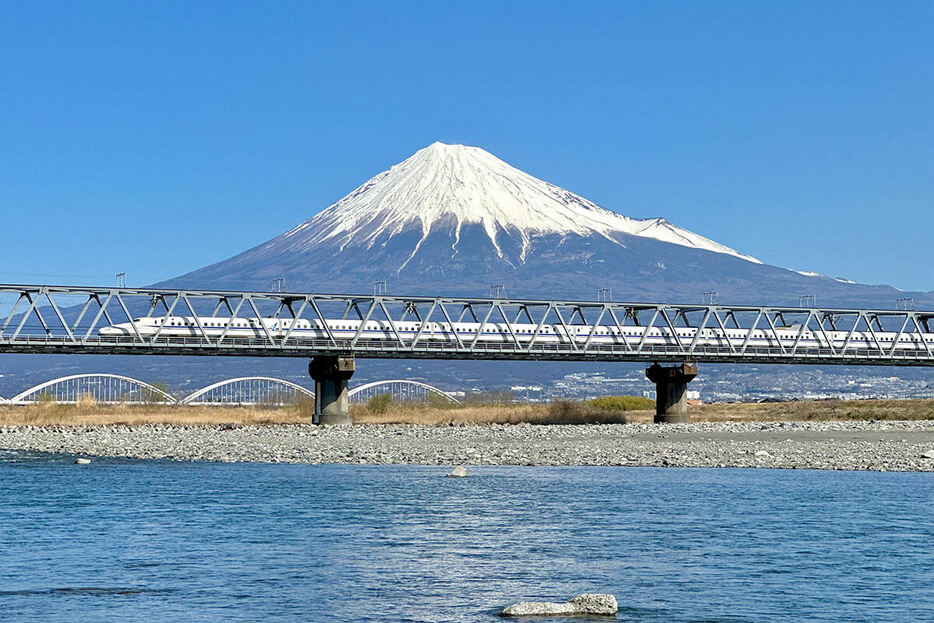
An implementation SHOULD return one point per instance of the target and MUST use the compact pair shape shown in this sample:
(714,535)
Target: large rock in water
(458,472)
(598,604)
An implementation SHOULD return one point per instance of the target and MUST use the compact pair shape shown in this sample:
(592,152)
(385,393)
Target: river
(126,540)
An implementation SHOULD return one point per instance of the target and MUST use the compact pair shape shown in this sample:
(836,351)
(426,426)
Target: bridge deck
(387,349)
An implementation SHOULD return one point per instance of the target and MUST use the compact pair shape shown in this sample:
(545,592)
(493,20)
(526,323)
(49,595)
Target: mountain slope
(453,220)
(454,186)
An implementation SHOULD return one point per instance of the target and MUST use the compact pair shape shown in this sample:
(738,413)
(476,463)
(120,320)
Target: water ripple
(161,541)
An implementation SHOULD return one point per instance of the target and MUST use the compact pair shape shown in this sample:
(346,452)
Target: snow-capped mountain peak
(452,186)
(452,220)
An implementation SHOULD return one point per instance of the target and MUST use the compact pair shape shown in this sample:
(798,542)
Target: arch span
(245,390)
(367,389)
(106,388)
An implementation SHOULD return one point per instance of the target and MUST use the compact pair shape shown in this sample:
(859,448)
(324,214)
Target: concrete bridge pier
(671,387)
(331,373)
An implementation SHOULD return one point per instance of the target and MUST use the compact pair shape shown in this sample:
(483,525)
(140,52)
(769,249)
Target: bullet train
(259,328)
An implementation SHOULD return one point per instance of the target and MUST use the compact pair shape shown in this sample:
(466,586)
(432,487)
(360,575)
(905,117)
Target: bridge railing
(68,319)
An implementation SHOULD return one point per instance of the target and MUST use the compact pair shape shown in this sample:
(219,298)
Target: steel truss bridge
(63,319)
(111,389)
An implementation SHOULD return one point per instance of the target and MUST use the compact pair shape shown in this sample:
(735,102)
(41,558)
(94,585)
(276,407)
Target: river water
(122,540)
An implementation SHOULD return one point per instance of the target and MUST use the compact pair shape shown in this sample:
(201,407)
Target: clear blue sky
(156,137)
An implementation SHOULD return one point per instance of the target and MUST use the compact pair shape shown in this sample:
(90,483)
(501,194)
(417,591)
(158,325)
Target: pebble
(859,445)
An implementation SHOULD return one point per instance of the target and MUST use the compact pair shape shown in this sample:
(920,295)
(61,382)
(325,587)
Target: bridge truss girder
(65,319)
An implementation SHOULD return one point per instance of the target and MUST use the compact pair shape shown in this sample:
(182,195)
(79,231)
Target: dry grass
(89,413)
(478,414)
(818,410)
(51,414)
(568,412)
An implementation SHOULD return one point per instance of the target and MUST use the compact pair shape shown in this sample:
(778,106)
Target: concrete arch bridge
(249,390)
(106,388)
(99,388)
(401,390)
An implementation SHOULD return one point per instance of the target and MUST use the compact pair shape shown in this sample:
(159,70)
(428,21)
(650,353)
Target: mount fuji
(453,220)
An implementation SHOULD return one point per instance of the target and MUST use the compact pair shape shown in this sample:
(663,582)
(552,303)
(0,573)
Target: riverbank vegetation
(383,410)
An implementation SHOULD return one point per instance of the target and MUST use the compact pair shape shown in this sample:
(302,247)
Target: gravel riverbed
(872,445)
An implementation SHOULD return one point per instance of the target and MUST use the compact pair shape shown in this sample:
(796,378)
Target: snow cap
(459,184)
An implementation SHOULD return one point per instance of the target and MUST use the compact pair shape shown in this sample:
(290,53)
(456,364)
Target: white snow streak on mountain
(456,184)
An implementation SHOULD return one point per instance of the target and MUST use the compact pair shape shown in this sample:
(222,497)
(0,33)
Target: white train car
(260,328)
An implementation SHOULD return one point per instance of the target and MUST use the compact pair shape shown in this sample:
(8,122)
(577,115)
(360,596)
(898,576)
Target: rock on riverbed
(599,604)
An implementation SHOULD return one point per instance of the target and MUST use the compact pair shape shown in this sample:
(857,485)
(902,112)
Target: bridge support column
(331,374)
(671,387)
